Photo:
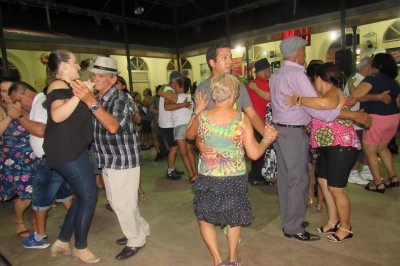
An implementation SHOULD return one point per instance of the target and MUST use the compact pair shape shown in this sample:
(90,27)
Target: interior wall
(34,72)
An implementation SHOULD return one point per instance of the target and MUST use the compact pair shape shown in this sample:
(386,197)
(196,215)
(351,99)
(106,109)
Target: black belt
(293,126)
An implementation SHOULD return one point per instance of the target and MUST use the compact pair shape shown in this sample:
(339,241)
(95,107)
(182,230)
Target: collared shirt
(259,103)
(38,114)
(120,150)
(291,79)
(241,103)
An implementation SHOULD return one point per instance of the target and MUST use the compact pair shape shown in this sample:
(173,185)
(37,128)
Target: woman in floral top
(337,143)
(221,186)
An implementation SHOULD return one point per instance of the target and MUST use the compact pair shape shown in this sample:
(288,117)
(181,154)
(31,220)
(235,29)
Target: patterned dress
(269,169)
(221,187)
(17,163)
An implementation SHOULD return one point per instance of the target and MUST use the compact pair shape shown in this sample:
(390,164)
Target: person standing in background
(258,90)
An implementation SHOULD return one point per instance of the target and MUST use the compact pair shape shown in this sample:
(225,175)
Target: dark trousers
(256,165)
(79,174)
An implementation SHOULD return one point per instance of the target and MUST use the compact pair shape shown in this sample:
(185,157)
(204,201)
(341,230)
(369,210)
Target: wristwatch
(94,107)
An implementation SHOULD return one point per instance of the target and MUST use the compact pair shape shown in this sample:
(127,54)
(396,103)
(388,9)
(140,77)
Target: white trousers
(122,194)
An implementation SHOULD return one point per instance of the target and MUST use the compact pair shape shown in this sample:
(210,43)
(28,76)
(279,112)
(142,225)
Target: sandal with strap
(376,189)
(24,233)
(142,197)
(330,230)
(336,239)
(391,183)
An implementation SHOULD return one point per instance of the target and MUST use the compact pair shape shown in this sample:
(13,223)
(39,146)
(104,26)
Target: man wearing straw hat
(116,147)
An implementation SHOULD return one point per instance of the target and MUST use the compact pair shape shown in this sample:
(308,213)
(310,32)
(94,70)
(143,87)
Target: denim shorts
(180,132)
(47,186)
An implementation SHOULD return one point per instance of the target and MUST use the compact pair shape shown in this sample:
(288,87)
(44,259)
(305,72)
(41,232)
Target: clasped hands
(83,90)
(270,134)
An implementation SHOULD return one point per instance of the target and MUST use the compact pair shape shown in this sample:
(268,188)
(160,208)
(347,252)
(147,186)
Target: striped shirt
(121,150)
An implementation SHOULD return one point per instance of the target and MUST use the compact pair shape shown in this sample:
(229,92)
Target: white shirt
(38,114)
(182,116)
(357,80)
(164,116)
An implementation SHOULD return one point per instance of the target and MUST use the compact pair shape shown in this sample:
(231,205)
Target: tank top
(228,143)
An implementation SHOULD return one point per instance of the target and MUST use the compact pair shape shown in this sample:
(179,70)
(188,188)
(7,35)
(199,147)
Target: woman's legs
(209,236)
(343,207)
(78,174)
(331,207)
(233,235)
(192,158)
(20,207)
(185,157)
(371,154)
(387,159)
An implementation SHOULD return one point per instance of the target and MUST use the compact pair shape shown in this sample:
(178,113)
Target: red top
(259,104)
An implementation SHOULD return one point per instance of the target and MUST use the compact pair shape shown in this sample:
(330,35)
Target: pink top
(339,132)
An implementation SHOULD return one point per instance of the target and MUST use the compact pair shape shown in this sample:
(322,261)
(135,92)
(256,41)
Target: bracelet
(298,101)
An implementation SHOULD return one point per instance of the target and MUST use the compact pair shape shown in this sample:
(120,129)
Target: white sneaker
(355,178)
(366,173)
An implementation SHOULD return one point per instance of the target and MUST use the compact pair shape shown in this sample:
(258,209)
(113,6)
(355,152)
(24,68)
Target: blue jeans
(48,185)
(79,174)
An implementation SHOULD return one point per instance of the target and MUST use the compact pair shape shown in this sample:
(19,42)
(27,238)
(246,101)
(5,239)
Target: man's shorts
(47,186)
(169,136)
(180,132)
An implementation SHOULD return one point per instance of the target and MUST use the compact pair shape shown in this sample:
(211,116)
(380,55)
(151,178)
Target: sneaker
(355,178)
(31,242)
(366,173)
(173,176)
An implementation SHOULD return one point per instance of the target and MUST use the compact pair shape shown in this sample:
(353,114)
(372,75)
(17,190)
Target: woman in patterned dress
(221,186)
(337,143)
(17,162)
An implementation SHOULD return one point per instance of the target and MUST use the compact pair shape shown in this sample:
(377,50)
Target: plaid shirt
(121,150)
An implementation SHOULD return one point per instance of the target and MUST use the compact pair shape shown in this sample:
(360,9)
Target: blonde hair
(223,86)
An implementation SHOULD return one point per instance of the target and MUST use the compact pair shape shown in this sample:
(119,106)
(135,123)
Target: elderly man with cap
(258,90)
(293,143)
(116,147)
(166,122)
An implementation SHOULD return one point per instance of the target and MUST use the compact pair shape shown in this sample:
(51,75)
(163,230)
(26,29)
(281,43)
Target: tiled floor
(175,238)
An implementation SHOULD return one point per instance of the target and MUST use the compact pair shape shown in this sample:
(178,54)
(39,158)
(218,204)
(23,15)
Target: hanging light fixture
(138,9)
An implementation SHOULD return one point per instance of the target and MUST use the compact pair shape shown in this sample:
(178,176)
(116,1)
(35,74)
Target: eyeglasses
(237,95)
(4,91)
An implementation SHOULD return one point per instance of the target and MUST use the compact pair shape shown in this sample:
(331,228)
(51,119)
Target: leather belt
(292,126)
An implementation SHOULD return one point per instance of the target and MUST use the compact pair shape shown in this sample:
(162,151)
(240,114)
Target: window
(139,74)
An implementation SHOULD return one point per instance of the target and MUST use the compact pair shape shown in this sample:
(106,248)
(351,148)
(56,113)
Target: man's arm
(381,97)
(357,116)
(170,106)
(107,120)
(33,127)
(255,119)
(263,94)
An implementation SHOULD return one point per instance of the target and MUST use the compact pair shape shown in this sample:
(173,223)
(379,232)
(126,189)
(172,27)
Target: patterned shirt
(339,132)
(227,141)
(120,150)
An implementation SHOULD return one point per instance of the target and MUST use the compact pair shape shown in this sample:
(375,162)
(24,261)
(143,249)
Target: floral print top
(228,143)
(339,132)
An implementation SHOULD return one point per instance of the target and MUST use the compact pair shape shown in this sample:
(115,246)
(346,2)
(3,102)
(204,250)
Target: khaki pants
(122,193)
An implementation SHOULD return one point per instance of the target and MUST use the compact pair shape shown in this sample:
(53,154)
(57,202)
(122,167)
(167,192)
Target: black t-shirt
(381,83)
(66,141)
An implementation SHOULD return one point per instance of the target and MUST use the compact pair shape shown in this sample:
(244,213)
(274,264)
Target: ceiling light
(138,9)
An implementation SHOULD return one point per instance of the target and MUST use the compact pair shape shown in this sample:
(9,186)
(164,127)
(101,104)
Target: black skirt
(222,200)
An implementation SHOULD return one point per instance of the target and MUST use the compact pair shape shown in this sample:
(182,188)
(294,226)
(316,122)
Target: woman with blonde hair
(221,185)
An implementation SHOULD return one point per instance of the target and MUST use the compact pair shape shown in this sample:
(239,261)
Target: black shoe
(173,176)
(108,207)
(257,182)
(306,236)
(159,156)
(178,172)
(128,252)
(122,241)
(305,224)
